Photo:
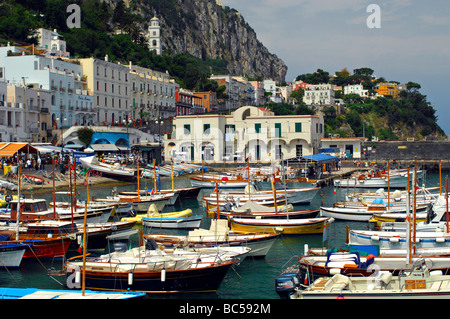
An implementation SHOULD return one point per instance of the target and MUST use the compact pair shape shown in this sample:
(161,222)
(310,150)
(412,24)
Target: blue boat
(172,222)
(36,293)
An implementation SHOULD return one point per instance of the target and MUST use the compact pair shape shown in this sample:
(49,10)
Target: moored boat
(115,171)
(282,226)
(172,222)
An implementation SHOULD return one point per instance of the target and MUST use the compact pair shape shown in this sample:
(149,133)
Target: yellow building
(390,89)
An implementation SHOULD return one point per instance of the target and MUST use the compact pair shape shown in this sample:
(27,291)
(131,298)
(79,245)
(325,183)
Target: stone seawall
(427,153)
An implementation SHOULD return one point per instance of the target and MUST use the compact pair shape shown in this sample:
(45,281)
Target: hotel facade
(249,132)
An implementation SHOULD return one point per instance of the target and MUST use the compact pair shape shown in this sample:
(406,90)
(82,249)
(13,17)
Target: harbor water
(252,279)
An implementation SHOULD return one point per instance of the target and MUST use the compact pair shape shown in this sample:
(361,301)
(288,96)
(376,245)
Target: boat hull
(202,279)
(172,223)
(288,227)
(11,255)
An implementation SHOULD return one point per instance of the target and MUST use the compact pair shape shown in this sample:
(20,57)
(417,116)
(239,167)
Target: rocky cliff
(206,29)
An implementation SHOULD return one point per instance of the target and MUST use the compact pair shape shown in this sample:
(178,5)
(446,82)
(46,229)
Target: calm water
(252,279)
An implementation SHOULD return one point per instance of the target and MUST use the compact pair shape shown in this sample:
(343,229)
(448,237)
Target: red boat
(33,179)
(37,246)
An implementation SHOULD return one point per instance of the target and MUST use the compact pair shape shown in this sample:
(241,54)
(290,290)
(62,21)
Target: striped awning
(10,149)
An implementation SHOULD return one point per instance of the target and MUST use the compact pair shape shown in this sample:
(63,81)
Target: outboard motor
(286,283)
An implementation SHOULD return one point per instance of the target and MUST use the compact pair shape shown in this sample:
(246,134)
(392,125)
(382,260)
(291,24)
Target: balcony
(45,110)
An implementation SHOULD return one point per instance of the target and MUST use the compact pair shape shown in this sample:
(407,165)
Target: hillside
(409,115)
(217,37)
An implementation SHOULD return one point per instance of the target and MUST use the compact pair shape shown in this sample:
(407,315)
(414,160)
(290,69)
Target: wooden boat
(254,210)
(223,181)
(37,247)
(378,179)
(152,274)
(362,213)
(211,202)
(172,222)
(354,263)
(38,293)
(183,193)
(11,254)
(280,226)
(140,203)
(418,283)
(8,185)
(293,195)
(218,235)
(115,171)
(155,214)
(33,179)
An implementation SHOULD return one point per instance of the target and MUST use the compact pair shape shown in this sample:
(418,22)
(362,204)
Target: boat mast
(137,173)
(408,218)
(53,193)
(446,197)
(415,210)
(389,185)
(18,198)
(83,284)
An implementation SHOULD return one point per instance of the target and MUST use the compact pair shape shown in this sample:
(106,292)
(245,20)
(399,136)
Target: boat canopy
(316,158)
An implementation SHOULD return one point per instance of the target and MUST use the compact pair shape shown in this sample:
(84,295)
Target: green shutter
(257,127)
(206,127)
(277,129)
(298,127)
(187,129)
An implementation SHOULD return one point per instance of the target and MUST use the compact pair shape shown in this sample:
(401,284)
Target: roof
(316,158)
(104,147)
(10,149)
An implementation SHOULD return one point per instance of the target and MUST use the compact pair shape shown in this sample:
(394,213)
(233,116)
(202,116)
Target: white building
(356,89)
(318,94)
(154,36)
(52,42)
(253,132)
(232,90)
(275,93)
(70,100)
(350,147)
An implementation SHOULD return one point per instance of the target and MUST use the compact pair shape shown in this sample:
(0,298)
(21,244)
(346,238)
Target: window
(257,127)
(206,128)
(298,151)
(187,129)
(298,127)
(277,129)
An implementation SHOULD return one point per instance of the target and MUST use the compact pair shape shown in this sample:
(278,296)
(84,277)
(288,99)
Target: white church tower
(154,36)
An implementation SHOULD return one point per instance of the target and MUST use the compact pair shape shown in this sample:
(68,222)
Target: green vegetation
(408,115)
(96,37)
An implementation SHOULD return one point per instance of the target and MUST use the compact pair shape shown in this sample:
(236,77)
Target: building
(152,93)
(350,147)
(258,92)
(154,36)
(318,94)
(109,82)
(183,101)
(208,102)
(70,103)
(356,89)
(274,91)
(232,89)
(52,42)
(253,132)
(387,89)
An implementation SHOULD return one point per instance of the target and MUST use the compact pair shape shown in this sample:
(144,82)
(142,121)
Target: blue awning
(316,159)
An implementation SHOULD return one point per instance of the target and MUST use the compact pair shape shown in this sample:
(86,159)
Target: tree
(410,86)
(85,135)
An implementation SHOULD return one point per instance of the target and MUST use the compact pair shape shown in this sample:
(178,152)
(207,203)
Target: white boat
(419,283)
(8,185)
(395,179)
(293,195)
(141,203)
(115,171)
(172,222)
(222,181)
(11,254)
(362,213)
(219,235)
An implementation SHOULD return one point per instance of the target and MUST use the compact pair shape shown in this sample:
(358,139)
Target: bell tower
(154,36)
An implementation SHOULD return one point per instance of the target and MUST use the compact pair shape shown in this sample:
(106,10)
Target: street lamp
(61,121)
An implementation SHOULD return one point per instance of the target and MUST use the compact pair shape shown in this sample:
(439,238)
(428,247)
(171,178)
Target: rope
(8,271)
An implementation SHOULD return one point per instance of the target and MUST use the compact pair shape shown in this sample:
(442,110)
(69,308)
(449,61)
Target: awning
(316,158)
(10,149)
(104,147)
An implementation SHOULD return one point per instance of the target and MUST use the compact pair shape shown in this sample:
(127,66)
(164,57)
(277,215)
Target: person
(39,163)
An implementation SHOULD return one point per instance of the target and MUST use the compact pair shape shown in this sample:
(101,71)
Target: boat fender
(305,249)
(163,275)
(77,276)
(279,229)
(151,244)
(334,271)
(394,239)
(130,278)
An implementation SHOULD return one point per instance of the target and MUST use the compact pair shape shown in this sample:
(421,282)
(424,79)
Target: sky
(401,40)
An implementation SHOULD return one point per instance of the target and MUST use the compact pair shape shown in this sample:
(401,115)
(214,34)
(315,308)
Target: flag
(80,248)
(305,282)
